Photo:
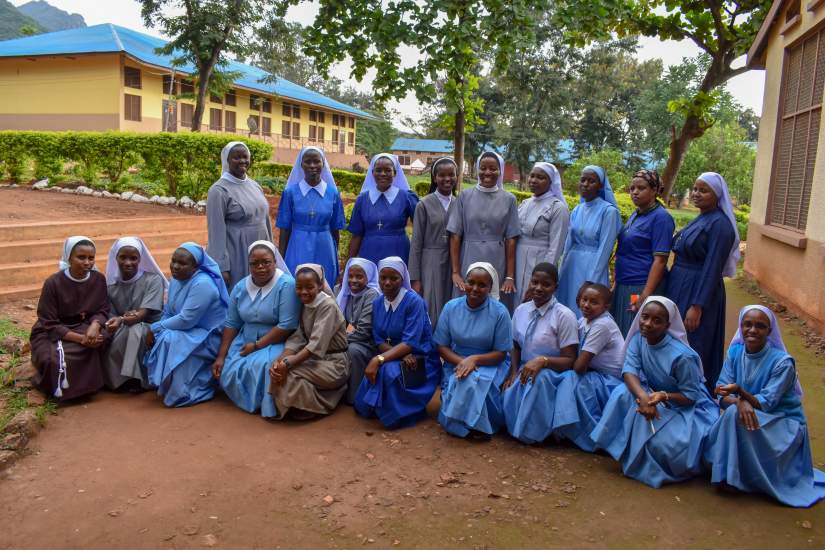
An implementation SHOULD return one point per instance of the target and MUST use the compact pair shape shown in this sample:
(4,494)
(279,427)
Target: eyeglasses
(261,263)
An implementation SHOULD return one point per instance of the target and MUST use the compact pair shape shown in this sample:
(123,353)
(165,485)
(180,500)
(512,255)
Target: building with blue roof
(107,77)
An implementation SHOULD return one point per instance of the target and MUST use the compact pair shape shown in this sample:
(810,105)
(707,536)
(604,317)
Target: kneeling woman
(136,285)
(310,376)
(395,388)
(188,335)
(473,338)
(67,338)
(760,443)
(539,397)
(656,423)
(263,312)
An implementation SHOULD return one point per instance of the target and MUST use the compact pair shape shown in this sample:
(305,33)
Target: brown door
(170,116)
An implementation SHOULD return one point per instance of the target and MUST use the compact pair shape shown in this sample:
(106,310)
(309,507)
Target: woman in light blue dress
(656,423)
(760,443)
(474,337)
(594,225)
(263,312)
(188,335)
(311,214)
(539,396)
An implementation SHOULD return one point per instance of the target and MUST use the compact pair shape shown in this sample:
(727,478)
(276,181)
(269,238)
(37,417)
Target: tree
(205,32)
(723,29)
(451,36)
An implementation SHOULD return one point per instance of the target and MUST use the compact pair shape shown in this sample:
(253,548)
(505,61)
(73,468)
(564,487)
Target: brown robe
(319,383)
(68,306)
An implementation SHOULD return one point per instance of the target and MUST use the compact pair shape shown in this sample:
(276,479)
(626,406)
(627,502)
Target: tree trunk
(200,102)
(678,147)
(458,144)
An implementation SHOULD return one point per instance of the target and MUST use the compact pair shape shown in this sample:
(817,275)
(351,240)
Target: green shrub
(421,188)
(612,160)
(274,184)
(346,181)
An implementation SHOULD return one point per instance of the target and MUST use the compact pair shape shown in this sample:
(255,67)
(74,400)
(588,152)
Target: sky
(747,88)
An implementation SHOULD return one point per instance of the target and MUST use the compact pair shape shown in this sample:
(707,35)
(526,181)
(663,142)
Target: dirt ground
(122,471)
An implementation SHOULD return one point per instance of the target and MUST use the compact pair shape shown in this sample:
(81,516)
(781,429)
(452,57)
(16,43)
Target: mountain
(51,18)
(12,21)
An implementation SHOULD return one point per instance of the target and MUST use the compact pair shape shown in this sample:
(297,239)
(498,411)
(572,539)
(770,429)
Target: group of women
(544,353)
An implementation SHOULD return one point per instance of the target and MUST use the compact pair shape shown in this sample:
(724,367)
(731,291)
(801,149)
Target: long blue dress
(533,411)
(383,225)
(388,399)
(187,339)
(311,218)
(593,229)
(246,379)
(673,452)
(776,458)
(702,249)
(473,403)
(603,339)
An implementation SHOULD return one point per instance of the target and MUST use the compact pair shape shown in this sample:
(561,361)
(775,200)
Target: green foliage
(346,181)
(14,24)
(421,188)
(612,160)
(173,164)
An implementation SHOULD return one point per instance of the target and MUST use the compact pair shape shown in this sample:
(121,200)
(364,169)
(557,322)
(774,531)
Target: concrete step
(59,230)
(44,250)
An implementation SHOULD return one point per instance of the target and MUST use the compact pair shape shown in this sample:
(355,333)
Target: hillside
(11,21)
(50,17)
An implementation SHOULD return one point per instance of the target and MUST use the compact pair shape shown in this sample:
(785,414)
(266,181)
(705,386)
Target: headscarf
(442,160)
(555,180)
(606,192)
(225,174)
(651,177)
(399,180)
(254,290)
(371,271)
(396,263)
(318,269)
(297,173)
(147,262)
(68,247)
(208,266)
(499,181)
(494,290)
(720,188)
(774,336)
(279,260)
(676,328)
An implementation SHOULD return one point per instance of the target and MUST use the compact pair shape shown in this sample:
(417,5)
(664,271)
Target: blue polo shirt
(642,237)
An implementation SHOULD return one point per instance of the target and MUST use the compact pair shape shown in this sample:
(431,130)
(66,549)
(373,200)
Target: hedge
(346,181)
(184,164)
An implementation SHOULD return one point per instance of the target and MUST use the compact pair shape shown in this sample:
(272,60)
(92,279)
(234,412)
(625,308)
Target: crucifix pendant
(312,213)
(380,225)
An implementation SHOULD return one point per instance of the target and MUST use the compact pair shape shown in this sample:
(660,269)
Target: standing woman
(379,217)
(68,336)
(430,251)
(188,335)
(706,250)
(136,286)
(484,227)
(237,214)
(311,214)
(594,224)
(643,249)
(544,219)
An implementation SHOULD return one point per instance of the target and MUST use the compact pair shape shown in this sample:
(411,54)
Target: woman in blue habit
(402,332)
(594,225)
(379,217)
(188,335)
(474,336)
(310,215)
(760,443)
(656,423)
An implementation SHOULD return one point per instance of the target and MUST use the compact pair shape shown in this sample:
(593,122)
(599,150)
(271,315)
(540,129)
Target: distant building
(418,154)
(786,235)
(107,77)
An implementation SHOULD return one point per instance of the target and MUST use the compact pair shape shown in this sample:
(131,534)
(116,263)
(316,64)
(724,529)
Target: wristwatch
(285,360)
(381,359)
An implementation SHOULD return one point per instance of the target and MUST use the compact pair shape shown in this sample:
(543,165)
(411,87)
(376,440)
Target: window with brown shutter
(352,122)
(312,132)
(296,130)
(131,107)
(322,117)
(186,113)
(798,133)
(313,115)
(286,126)
(169,87)
(320,133)
(296,111)
(229,121)
(215,119)
(351,138)
(215,98)
(335,135)
(266,128)
(267,105)
(230,98)
(256,123)
(187,87)
(335,120)
(254,102)
(286,110)
(131,77)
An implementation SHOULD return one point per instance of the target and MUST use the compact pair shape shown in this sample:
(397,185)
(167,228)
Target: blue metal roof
(108,38)
(423,145)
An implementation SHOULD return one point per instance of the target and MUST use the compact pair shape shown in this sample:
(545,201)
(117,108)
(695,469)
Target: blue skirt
(375,247)
(180,365)
(775,459)
(245,380)
(393,404)
(308,244)
(665,450)
(591,393)
(473,403)
(576,268)
(533,411)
